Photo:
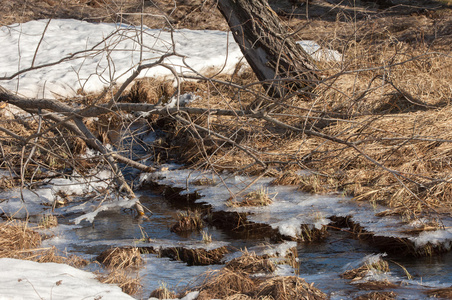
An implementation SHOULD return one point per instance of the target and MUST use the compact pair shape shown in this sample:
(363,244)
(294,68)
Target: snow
(40,201)
(89,56)
(318,53)
(20,279)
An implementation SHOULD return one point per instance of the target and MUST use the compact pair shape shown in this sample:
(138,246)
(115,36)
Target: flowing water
(319,262)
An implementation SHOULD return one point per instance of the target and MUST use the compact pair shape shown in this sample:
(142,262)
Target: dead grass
(190,220)
(18,240)
(288,178)
(120,258)
(226,283)
(376,285)
(163,293)
(443,293)
(289,288)
(251,263)
(48,221)
(259,197)
(377,296)
(235,281)
(379,266)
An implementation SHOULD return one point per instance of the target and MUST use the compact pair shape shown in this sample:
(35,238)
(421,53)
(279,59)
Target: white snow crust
(20,279)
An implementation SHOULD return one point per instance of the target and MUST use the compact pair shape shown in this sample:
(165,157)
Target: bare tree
(280,63)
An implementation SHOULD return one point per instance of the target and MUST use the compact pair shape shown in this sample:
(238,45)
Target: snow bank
(20,279)
(89,56)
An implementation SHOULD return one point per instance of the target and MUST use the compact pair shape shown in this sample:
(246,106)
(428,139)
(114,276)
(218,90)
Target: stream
(320,262)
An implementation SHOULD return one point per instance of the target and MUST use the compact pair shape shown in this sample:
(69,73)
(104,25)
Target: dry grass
(18,240)
(288,178)
(376,285)
(251,263)
(190,220)
(48,221)
(163,293)
(225,283)
(377,296)
(379,266)
(444,293)
(120,258)
(289,288)
(259,197)
(122,278)
(235,282)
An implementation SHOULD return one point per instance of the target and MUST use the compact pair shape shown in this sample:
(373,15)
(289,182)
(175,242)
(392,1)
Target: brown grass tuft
(288,178)
(120,258)
(289,288)
(259,197)
(225,283)
(189,220)
(163,293)
(48,221)
(16,239)
(380,266)
(376,285)
(129,285)
(377,296)
(250,263)
(194,256)
(445,293)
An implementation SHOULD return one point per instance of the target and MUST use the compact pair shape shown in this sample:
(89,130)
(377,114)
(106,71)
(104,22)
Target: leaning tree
(277,60)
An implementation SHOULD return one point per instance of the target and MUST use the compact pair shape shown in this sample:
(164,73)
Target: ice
(292,208)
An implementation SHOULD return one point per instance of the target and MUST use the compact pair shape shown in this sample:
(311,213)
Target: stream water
(319,262)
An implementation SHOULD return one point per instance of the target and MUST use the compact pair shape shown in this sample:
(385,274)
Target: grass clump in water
(251,263)
(48,221)
(189,220)
(120,258)
(163,293)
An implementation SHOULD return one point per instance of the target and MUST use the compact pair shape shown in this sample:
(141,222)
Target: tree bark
(267,46)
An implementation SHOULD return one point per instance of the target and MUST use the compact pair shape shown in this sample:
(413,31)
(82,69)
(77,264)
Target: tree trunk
(280,63)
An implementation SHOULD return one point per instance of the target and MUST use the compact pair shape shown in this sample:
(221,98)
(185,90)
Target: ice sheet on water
(173,274)
(118,203)
(275,250)
(21,203)
(292,208)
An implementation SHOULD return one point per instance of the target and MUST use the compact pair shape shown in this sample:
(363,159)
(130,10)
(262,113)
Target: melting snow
(97,55)
(20,279)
